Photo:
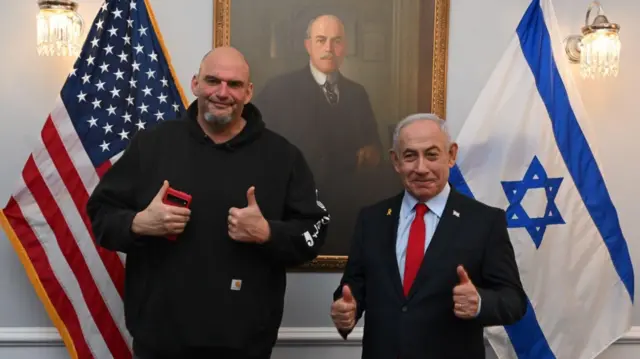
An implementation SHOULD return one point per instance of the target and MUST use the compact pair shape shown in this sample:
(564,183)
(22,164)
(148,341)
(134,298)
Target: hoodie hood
(251,131)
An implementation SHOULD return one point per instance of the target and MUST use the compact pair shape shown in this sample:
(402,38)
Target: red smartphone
(176,198)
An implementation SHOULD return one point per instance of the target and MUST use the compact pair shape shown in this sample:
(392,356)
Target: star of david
(517,217)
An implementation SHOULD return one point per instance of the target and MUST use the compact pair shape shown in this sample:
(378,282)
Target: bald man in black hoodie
(217,290)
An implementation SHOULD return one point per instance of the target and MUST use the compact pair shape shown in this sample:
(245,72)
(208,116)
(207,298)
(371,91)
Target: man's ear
(194,85)
(249,93)
(307,45)
(395,160)
(453,153)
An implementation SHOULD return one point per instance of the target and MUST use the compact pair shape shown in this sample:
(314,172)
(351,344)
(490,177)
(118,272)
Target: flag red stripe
(103,168)
(80,196)
(40,261)
(94,301)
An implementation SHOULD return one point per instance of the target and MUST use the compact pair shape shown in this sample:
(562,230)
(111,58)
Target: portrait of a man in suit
(330,117)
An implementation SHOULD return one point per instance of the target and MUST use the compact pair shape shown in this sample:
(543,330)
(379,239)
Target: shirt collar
(435,204)
(320,76)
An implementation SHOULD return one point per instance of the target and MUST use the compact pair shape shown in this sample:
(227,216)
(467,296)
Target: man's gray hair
(419,117)
(312,21)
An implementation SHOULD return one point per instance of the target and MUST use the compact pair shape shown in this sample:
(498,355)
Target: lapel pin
(389,212)
(456,213)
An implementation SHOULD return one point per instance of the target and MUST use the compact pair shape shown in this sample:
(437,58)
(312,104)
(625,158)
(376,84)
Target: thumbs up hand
(248,224)
(343,310)
(160,219)
(465,296)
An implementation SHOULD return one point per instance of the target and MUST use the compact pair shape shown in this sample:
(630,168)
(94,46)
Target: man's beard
(217,120)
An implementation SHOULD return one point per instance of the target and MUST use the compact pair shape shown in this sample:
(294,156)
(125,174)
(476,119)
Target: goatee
(217,120)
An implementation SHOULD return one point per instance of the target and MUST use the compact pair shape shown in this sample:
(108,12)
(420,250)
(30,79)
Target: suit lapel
(390,230)
(314,89)
(443,238)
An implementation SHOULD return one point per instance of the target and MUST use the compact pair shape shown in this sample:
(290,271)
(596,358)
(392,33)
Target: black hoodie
(179,293)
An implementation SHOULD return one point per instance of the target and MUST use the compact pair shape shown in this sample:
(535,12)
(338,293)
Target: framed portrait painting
(334,77)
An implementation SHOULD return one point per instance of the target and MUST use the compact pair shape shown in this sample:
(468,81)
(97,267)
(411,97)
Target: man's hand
(248,224)
(343,310)
(465,296)
(368,156)
(160,219)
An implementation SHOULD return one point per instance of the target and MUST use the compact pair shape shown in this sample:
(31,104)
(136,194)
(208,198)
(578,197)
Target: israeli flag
(524,148)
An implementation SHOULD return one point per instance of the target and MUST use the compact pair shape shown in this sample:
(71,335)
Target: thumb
(346,294)
(463,276)
(162,191)
(251,197)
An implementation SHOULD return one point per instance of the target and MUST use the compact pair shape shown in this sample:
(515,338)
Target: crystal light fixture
(59,28)
(597,50)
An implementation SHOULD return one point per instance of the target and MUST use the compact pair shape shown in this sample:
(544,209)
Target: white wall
(480,30)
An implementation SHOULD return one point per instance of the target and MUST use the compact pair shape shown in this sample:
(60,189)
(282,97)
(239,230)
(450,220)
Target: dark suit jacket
(294,105)
(423,324)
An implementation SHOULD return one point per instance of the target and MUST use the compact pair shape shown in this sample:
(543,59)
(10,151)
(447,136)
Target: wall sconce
(59,28)
(597,50)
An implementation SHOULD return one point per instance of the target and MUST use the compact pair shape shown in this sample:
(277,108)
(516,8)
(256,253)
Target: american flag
(121,83)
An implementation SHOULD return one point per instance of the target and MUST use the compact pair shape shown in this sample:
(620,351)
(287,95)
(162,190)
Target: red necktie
(415,247)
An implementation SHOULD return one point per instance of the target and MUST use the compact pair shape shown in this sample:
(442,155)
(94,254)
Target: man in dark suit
(430,266)
(330,118)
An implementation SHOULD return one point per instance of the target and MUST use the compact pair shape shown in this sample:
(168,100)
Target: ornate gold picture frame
(397,50)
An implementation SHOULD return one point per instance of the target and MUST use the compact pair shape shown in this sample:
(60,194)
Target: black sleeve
(354,273)
(299,235)
(504,301)
(112,204)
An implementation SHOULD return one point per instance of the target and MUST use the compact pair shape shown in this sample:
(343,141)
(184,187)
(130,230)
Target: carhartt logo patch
(236,284)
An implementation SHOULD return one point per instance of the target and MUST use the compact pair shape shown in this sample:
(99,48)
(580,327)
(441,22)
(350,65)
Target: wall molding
(29,336)
(288,336)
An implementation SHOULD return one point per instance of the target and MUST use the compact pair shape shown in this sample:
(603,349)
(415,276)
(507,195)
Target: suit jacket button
(404,308)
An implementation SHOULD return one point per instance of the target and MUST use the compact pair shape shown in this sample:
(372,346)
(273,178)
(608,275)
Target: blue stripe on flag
(526,336)
(536,46)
